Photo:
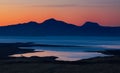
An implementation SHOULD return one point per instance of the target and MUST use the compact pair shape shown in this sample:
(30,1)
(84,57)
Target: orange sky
(25,11)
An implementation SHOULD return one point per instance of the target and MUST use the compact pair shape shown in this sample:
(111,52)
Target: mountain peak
(91,24)
(32,22)
(51,20)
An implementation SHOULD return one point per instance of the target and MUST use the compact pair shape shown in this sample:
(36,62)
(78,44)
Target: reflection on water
(69,53)
(110,46)
(71,56)
(89,43)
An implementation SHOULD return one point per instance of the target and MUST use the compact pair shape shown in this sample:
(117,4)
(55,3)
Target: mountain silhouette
(91,25)
(55,27)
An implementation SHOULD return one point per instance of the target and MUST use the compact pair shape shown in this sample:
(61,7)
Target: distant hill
(55,27)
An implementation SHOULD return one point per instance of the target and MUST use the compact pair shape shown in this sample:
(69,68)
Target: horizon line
(56,20)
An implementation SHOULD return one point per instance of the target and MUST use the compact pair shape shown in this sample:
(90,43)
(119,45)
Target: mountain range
(53,27)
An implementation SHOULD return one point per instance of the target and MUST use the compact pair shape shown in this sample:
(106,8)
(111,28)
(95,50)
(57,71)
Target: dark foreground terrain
(109,64)
(96,65)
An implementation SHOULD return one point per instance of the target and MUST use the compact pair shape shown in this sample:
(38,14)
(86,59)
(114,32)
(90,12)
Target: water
(84,43)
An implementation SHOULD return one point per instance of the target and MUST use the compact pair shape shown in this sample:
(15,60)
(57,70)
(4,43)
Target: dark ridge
(53,27)
(50,20)
(91,24)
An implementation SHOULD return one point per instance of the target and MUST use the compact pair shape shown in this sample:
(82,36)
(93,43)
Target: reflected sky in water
(88,43)
(67,56)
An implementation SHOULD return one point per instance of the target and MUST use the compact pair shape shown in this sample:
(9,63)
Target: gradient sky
(105,12)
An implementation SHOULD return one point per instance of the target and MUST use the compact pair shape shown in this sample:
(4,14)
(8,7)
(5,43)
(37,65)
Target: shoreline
(7,49)
(18,50)
(34,64)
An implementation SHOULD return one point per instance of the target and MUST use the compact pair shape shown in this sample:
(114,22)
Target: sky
(104,12)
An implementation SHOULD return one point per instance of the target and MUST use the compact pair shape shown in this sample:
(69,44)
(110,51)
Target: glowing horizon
(105,12)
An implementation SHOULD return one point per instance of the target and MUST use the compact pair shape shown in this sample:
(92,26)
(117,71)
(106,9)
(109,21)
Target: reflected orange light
(71,56)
